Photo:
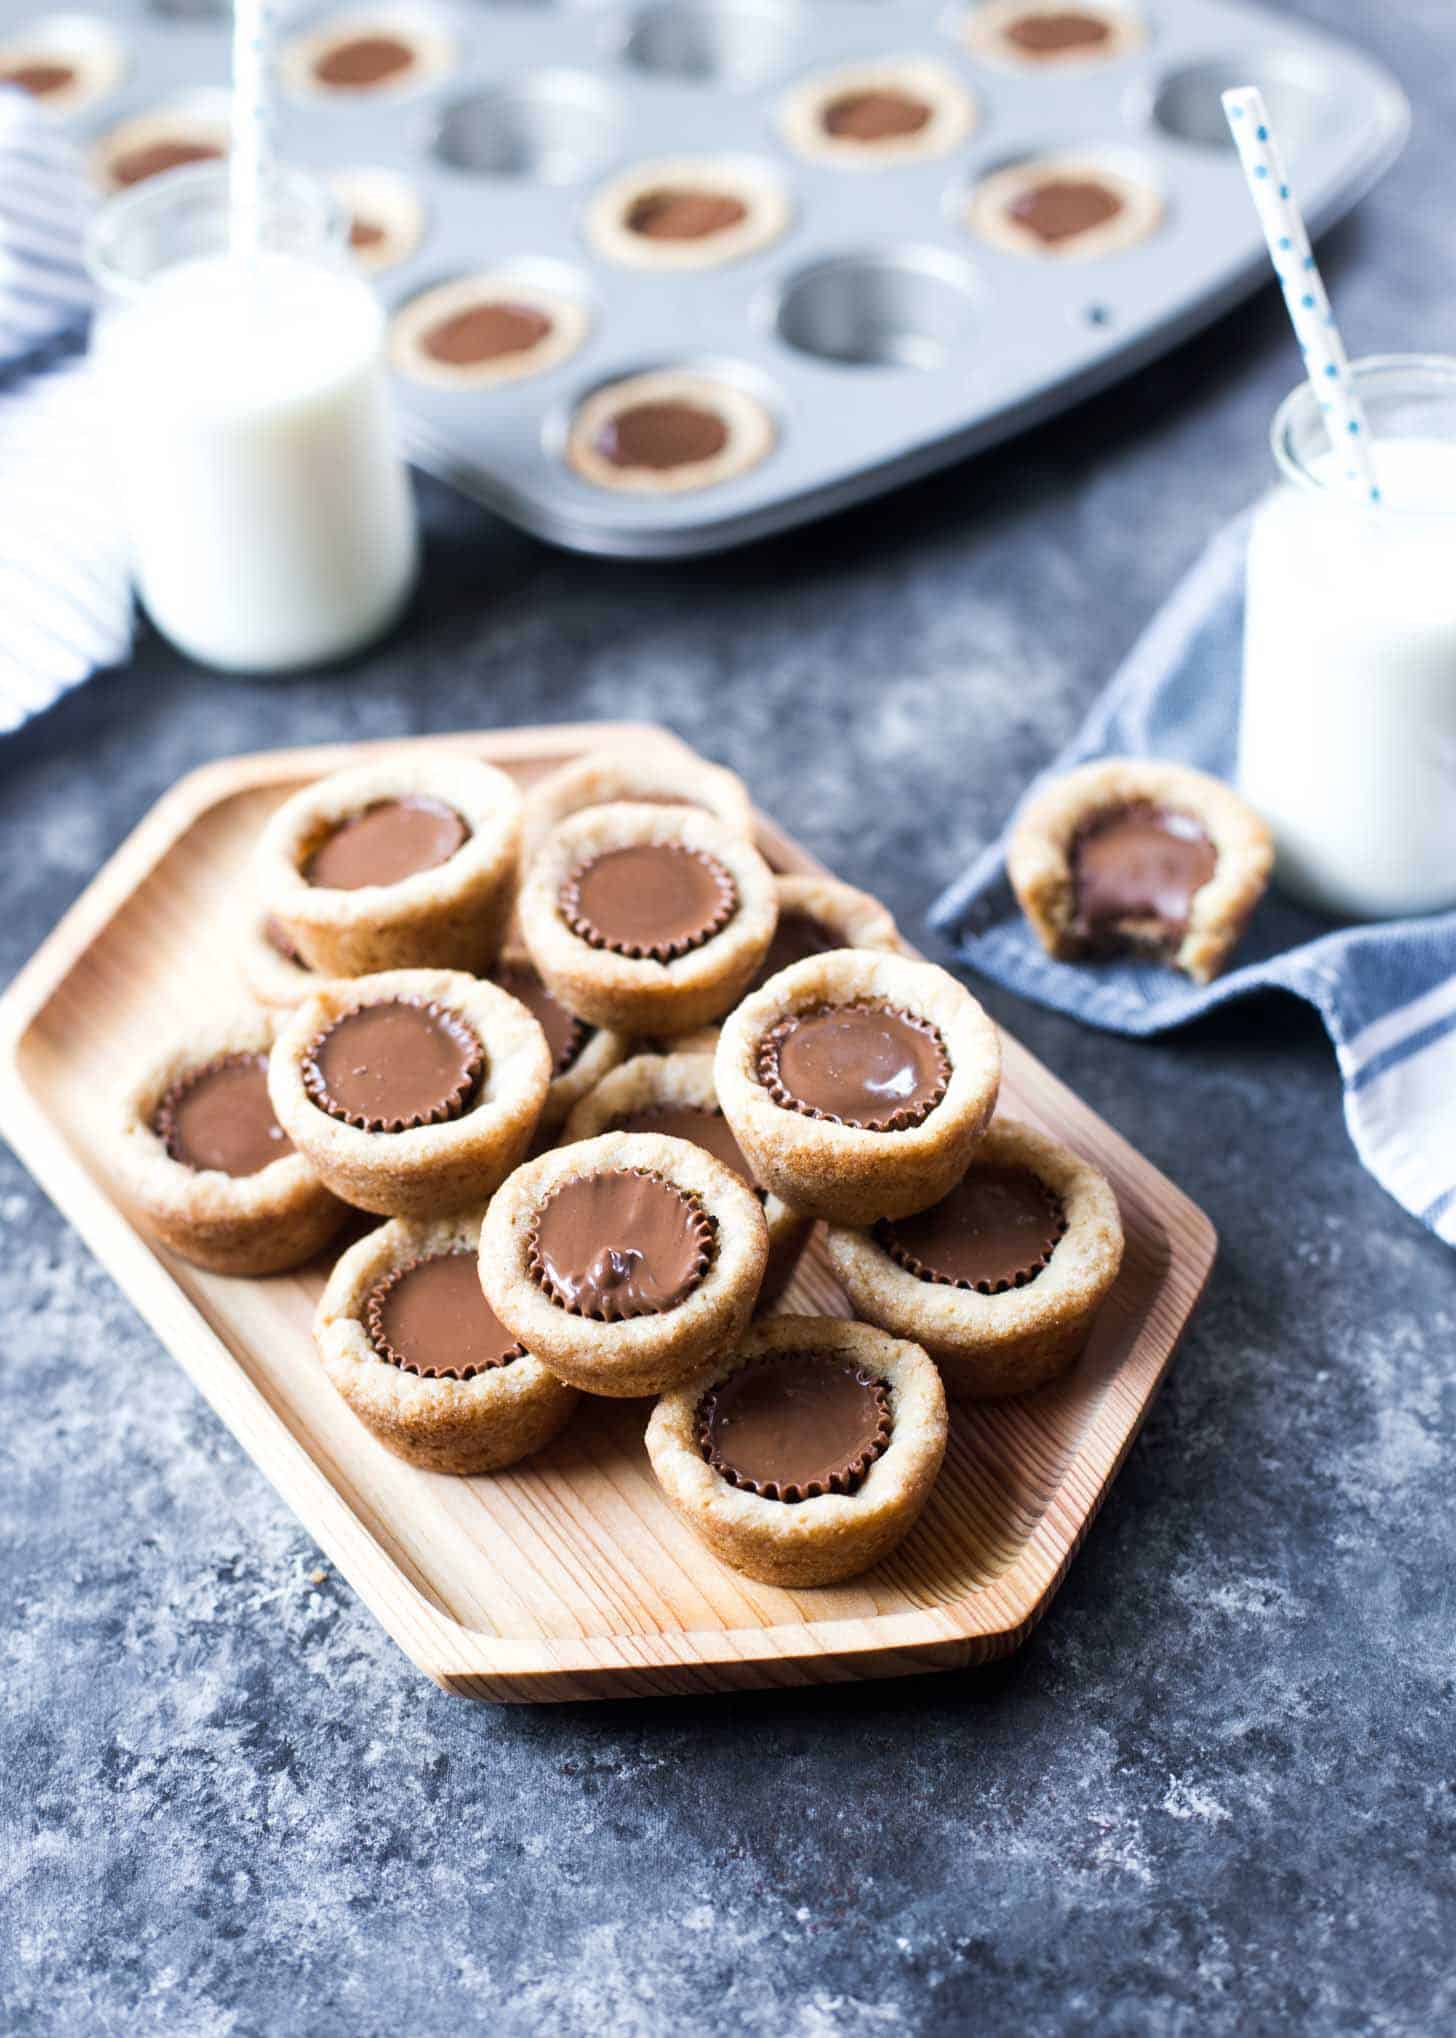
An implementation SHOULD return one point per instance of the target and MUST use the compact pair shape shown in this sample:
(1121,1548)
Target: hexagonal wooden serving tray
(568,1577)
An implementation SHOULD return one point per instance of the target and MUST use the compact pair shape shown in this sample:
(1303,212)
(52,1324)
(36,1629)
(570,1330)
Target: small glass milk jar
(246,401)
(1347,741)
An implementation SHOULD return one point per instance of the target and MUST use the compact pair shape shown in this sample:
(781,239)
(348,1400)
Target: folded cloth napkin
(1386,993)
(65,591)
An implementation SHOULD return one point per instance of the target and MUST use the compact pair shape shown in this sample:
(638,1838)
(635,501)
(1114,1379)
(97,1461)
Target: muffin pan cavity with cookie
(889,236)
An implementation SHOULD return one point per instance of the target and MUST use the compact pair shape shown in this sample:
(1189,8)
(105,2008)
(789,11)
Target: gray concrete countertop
(1215,1793)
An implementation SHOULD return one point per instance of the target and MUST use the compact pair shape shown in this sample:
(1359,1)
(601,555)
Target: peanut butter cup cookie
(402,865)
(1074,208)
(414,1092)
(1051,35)
(688,212)
(269,964)
(857,1084)
(581,1054)
(1001,1279)
(1132,855)
(672,1096)
(647,919)
(806,1453)
(625,1261)
(650,774)
(817,914)
(205,1160)
(874,115)
(411,1343)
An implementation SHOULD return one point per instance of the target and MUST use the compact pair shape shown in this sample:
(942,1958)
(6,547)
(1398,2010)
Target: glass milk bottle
(245,398)
(1347,741)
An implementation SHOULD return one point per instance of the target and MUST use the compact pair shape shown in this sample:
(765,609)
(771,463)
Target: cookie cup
(652,773)
(482,1424)
(637,994)
(856,919)
(429,1170)
(274,979)
(988,1346)
(450,917)
(836,1535)
(1039,854)
(600,1054)
(844,1172)
(649,1081)
(231,1224)
(642,1354)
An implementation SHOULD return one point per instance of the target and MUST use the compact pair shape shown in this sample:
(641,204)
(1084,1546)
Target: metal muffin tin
(886,339)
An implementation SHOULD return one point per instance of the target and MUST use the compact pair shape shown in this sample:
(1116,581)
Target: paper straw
(251,152)
(1325,360)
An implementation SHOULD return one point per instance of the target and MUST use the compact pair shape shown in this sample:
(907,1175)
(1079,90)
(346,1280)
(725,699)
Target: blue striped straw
(251,153)
(1325,360)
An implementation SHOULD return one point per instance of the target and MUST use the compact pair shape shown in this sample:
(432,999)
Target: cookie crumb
(317,1577)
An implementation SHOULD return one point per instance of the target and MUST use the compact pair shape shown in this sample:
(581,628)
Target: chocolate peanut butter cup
(996,1230)
(1066,207)
(649,900)
(687,212)
(566,1035)
(795,1425)
(682,214)
(1063,207)
(620,1244)
(862,1064)
(373,54)
(394,1066)
(796,936)
(63,62)
(696,1123)
(662,435)
(388,841)
(875,116)
(670,430)
(39,78)
(1136,870)
(363,61)
(1052,35)
(485,332)
(220,1117)
(154,158)
(430,1318)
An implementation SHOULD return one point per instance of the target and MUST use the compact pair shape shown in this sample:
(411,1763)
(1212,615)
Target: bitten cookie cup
(489,1419)
(429,1169)
(995,1339)
(1183,893)
(1052,35)
(443,882)
(710,920)
(672,1095)
(263,1221)
(630,1354)
(832,1535)
(646,772)
(851,1173)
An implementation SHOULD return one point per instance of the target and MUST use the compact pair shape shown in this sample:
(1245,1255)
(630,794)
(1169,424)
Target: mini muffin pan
(883,335)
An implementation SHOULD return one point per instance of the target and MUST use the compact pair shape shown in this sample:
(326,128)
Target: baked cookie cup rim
(728,956)
(1079,1273)
(591,1354)
(1142,207)
(483,796)
(270,976)
(955,112)
(755,184)
(434,54)
(899,1477)
(651,769)
(985,22)
(859,917)
(844,976)
(751,427)
(509,1097)
(571,324)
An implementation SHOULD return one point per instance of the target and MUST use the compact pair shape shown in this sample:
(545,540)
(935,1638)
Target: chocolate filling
(1048,35)
(429,1317)
(365,233)
(662,435)
(566,1035)
(796,938)
(875,116)
(219,1117)
(1064,207)
(366,60)
(997,1229)
(391,840)
(708,1129)
(153,159)
(619,1244)
(861,1064)
(485,332)
(651,899)
(795,1425)
(1136,870)
(394,1066)
(39,77)
(684,215)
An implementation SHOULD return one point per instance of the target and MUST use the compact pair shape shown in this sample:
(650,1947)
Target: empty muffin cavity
(554,127)
(725,43)
(914,308)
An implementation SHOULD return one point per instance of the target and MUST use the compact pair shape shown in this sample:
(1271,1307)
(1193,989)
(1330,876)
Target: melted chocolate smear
(367,60)
(996,1230)
(1064,207)
(620,1244)
(651,899)
(391,840)
(219,1117)
(1048,35)
(795,1425)
(1135,872)
(684,215)
(485,332)
(430,1317)
(875,116)
(154,159)
(566,1035)
(394,1066)
(860,1064)
(662,435)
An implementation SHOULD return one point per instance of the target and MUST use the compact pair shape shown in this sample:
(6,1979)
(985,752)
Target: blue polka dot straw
(1304,292)
(251,152)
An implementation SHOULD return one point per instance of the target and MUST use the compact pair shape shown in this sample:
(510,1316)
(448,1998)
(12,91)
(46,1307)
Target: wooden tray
(568,1578)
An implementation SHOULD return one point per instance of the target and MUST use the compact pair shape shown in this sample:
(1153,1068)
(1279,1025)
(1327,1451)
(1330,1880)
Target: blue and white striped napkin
(65,590)
(1386,993)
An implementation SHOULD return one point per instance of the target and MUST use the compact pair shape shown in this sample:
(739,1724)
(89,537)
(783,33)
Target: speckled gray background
(1217,1791)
